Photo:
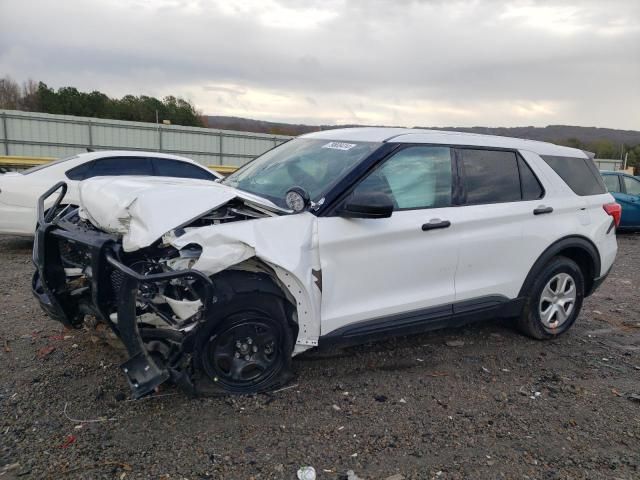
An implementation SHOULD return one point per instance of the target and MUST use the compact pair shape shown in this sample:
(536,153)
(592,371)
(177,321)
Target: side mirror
(367,205)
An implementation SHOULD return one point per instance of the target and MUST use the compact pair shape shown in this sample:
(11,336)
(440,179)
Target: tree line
(34,96)
(606,149)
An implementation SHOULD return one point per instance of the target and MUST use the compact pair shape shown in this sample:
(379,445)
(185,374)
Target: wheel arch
(232,282)
(579,249)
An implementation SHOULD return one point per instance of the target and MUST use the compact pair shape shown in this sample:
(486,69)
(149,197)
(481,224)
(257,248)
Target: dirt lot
(480,402)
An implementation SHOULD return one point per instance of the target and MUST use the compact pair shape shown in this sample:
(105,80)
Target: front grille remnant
(74,254)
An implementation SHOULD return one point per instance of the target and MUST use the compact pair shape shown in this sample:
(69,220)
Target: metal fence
(608,163)
(44,135)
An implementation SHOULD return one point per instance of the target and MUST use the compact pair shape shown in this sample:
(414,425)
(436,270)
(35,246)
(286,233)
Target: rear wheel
(249,349)
(555,300)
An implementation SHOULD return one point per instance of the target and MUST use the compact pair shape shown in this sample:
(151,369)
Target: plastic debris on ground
(307,473)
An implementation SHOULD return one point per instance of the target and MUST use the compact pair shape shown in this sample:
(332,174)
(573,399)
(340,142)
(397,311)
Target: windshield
(46,165)
(315,165)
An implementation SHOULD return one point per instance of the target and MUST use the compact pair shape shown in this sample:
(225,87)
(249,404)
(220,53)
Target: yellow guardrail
(13,161)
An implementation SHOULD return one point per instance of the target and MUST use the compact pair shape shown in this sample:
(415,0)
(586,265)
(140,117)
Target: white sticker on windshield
(339,145)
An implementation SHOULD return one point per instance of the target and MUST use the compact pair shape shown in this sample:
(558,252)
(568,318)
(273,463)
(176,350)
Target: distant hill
(558,133)
(553,133)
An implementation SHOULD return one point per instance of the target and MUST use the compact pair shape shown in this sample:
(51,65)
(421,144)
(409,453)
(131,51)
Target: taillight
(615,210)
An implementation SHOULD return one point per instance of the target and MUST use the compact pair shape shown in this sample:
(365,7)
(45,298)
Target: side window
(415,177)
(529,184)
(631,185)
(80,172)
(490,176)
(612,182)
(120,166)
(175,168)
(580,174)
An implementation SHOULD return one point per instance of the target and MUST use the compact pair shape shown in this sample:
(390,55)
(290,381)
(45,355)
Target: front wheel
(249,350)
(554,301)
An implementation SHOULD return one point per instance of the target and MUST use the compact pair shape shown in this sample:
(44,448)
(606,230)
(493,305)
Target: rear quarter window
(580,174)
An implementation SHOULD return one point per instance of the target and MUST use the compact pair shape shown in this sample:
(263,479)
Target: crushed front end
(150,298)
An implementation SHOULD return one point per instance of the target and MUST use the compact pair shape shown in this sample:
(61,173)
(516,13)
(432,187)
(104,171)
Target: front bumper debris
(110,285)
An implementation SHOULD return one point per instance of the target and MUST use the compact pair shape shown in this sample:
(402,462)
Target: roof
(418,135)
(131,153)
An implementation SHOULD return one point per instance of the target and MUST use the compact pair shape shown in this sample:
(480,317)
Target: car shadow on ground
(12,244)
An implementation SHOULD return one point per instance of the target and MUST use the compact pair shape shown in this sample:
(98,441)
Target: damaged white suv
(336,236)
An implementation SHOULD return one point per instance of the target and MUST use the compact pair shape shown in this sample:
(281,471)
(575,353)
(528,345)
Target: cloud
(408,62)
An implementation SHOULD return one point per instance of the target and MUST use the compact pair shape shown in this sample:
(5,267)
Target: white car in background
(19,191)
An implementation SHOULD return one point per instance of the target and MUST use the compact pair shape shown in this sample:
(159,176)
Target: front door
(375,268)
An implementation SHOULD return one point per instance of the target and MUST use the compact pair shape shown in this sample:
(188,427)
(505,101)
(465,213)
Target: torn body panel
(293,258)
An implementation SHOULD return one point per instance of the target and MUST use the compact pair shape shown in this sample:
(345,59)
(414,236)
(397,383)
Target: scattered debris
(634,397)
(397,476)
(486,370)
(616,392)
(351,475)
(7,348)
(336,407)
(307,473)
(10,467)
(68,441)
(437,374)
(75,420)
(285,388)
(402,400)
(45,351)
(154,396)
(380,398)
(419,360)
(454,343)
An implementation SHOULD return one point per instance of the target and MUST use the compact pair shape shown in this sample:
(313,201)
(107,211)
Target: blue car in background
(626,190)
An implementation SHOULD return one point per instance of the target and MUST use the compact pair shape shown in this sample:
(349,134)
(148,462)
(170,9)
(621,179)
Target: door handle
(435,223)
(541,210)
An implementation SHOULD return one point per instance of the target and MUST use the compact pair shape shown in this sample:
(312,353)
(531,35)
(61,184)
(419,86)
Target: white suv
(333,237)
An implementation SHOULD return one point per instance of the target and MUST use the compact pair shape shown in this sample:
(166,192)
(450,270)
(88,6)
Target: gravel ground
(478,402)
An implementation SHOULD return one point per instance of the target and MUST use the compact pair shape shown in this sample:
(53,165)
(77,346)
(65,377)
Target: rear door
(374,268)
(500,195)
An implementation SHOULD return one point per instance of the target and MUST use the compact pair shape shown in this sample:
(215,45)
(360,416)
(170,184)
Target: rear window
(47,165)
(580,174)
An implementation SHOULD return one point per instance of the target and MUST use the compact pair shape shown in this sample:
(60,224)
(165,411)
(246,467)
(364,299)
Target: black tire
(246,346)
(531,322)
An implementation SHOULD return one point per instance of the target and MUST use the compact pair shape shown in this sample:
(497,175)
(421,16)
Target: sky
(373,62)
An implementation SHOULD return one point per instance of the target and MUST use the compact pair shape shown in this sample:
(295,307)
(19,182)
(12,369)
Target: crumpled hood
(142,209)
